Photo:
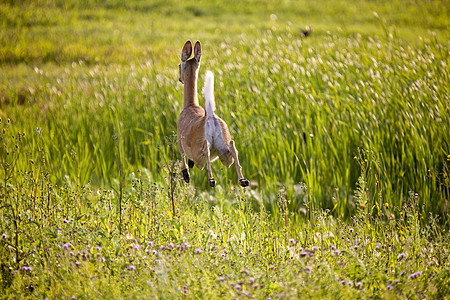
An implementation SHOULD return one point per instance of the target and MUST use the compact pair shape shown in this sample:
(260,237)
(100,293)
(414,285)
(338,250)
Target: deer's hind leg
(242,181)
(206,152)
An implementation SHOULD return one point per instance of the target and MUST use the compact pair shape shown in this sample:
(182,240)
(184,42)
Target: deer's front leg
(242,181)
(184,168)
(212,182)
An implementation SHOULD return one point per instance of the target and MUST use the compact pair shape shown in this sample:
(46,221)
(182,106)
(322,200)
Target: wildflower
(222,278)
(377,247)
(402,273)
(240,252)
(71,253)
(186,245)
(396,281)
(185,290)
(131,268)
(314,248)
(291,241)
(355,247)
(4,236)
(67,245)
(350,283)
(198,251)
(102,259)
(154,252)
(223,254)
(136,247)
(359,284)
(342,282)
(65,221)
(150,244)
(389,287)
(77,263)
(251,280)
(351,230)
(73,297)
(336,252)
(401,255)
(26,268)
(98,248)
(170,245)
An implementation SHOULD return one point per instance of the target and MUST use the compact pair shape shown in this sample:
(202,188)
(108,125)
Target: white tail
(208,94)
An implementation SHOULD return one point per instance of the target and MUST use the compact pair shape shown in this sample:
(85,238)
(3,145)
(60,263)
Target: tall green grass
(344,136)
(92,74)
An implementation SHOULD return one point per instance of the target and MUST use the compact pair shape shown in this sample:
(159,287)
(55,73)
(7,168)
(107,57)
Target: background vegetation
(343,134)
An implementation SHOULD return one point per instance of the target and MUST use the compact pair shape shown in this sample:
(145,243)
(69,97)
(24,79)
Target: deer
(202,136)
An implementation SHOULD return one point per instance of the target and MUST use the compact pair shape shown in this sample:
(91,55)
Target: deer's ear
(198,51)
(187,51)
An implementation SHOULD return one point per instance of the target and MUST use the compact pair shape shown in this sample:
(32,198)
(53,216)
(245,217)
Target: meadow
(344,135)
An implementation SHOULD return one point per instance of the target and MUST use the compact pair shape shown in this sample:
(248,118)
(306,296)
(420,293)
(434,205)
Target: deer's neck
(190,92)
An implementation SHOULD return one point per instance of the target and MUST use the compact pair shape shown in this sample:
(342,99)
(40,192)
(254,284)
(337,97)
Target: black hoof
(244,182)
(212,183)
(186,176)
(190,163)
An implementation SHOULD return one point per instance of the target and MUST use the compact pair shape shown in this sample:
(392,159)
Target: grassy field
(343,135)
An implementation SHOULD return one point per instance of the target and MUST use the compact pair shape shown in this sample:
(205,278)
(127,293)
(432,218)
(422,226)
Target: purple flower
(389,287)
(4,236)
(198,251)
(185,290)
(240,252)
(351,230)
(377,247)
(131,268)
(355,247)
(224,254)
(359,284)
(251,280)
(150,244)
(222,278)
(65,221)
(402,273)
(26,268)
(396,281)
(350,283)
(291,241)
(336,252)
(186,245)
(98,248)
(401,255)
(314,248)
(342,282)
(67,245)
(415,275)
(170,245)
(154,252)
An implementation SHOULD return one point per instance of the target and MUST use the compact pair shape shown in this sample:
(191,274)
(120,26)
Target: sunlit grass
(343,135)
